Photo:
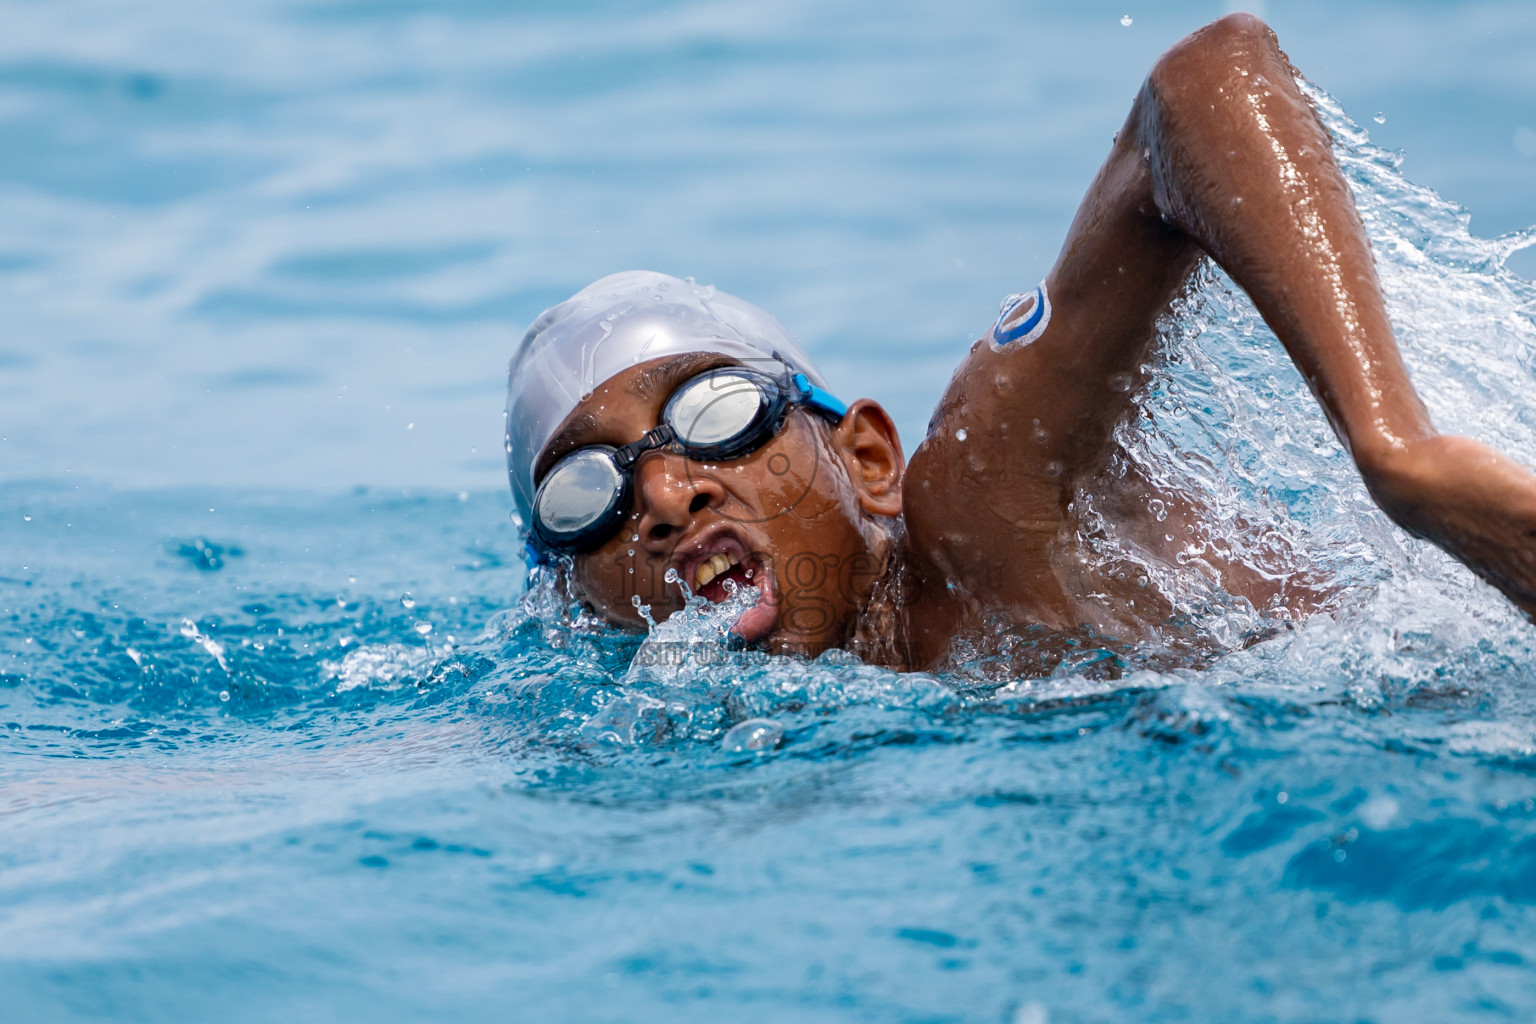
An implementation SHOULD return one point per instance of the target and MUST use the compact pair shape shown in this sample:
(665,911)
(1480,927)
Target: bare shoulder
(986,493)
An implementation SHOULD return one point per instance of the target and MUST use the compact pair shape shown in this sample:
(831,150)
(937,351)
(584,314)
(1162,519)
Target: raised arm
(1221,154)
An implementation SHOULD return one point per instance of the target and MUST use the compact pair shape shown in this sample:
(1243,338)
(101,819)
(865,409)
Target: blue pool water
(283,736)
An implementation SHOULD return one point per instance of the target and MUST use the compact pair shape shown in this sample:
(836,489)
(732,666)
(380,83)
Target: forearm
(1237,159)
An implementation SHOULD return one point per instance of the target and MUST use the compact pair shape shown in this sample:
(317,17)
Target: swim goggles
(723,413)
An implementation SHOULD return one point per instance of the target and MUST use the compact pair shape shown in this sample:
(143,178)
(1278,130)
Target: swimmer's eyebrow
(568,438)
(660,381)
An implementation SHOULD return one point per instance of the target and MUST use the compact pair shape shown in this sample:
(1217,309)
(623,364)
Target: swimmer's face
(794,519)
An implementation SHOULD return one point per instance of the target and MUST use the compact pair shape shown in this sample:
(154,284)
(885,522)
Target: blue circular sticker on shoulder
(1026,326)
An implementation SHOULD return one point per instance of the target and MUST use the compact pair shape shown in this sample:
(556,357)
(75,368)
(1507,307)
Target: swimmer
(660,433)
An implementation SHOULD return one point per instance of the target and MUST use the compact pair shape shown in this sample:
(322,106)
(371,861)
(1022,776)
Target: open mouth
(720,575)
(722,567)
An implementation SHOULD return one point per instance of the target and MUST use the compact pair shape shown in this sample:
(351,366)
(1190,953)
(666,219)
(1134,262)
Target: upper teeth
(711,567)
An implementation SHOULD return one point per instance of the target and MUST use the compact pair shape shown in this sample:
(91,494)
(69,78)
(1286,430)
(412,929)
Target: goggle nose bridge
(658,436)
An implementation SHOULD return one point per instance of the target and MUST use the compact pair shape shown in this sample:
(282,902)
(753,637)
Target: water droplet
(408,426)
(1125,19)
(753,734)
(26,519)
(223,695)
(961,435)
(407,601)
(423,628)
(1380,118)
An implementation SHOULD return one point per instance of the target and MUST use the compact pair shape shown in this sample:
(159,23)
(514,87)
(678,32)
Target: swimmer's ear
(872,451)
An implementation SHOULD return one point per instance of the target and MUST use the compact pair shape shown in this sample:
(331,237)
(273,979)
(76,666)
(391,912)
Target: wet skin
(1221,156)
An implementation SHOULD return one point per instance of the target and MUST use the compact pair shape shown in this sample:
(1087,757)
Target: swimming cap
(609,326)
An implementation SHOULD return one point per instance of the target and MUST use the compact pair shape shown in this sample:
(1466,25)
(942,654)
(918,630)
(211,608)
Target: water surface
(279,737)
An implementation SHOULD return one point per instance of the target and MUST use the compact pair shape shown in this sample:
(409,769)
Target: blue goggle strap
(819,399)
(535,553)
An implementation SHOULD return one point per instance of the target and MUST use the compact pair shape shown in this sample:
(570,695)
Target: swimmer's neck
(916,610)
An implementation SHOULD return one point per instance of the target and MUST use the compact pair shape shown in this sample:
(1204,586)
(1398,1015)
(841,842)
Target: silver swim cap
(609,326)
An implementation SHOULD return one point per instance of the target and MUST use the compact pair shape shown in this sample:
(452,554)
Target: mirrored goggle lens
(578,492)
(716,408)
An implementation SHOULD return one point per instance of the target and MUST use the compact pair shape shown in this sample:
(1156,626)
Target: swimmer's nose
(669,497)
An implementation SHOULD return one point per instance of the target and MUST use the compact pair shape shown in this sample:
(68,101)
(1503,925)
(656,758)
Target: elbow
(1196,67)
(1240,25)
(1403,478)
